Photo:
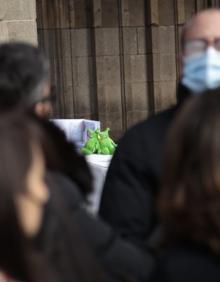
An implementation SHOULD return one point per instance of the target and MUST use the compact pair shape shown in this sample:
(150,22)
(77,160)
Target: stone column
(18,21)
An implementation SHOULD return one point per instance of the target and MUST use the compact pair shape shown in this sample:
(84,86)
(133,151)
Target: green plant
(99,142)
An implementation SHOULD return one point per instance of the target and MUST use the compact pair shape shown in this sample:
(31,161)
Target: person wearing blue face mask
(202,71)
(201,52)
(132,182)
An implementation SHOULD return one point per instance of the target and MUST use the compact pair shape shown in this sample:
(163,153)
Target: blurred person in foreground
(30,250)
(24,84)
(133,178)
(189,200)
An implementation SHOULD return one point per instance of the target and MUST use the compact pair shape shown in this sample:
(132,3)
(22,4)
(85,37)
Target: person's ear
(39,109)
(43,110)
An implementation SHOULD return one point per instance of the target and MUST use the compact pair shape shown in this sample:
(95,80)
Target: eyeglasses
(51,99)
(198,46)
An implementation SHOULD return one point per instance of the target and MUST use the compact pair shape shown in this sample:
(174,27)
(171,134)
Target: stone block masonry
(18,21)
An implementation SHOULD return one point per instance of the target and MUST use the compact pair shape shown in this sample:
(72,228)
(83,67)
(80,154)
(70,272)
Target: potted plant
(99,142)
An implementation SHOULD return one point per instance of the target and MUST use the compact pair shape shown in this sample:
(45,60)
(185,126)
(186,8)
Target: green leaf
(86,151)
(105,151)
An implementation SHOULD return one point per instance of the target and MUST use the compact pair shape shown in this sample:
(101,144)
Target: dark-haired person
(24,207)
(132,182)
(24,84)
(189,200)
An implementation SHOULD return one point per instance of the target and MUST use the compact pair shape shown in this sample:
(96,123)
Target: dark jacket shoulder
(150,128)
(187,262)
(119,259)
(141,147)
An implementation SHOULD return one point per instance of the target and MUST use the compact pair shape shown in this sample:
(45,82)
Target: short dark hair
(189,201)
(24,69)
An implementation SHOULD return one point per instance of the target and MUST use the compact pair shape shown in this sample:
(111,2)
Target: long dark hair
(17,256)
(189,201)
(61,252)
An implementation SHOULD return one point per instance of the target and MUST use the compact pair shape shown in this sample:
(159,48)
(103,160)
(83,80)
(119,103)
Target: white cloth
(99,165)
(76,129)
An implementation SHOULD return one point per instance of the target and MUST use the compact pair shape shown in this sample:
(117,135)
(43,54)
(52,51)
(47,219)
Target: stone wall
(114,60)
(18,20)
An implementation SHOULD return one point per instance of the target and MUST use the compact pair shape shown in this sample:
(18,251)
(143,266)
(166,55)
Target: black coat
(128,199)
(187,263)
(60,239)
(119,260)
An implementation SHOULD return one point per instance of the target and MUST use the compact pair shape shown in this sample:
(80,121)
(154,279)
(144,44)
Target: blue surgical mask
(202,72)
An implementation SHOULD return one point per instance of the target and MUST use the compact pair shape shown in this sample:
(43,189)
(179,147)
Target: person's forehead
(205,25)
